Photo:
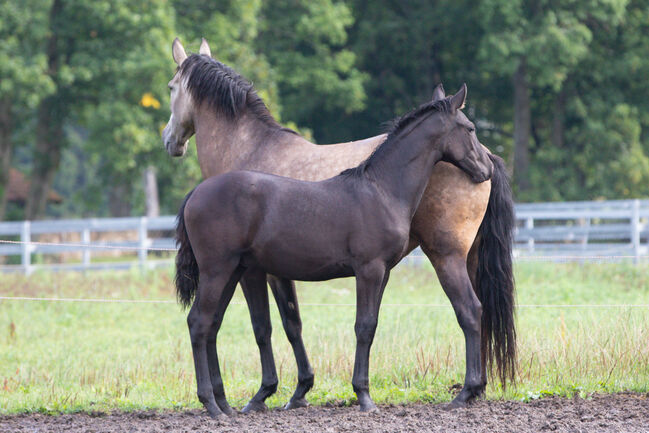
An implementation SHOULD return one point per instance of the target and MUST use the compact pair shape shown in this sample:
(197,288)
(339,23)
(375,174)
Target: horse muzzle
(173,145)
(478,171)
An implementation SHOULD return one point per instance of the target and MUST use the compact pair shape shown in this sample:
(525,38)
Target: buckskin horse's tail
(495,278)
(186,279)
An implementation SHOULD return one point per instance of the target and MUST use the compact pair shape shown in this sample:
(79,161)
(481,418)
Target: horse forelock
(221,88)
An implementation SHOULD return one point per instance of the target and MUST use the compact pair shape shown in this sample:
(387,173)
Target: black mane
(398,125)
(223,89)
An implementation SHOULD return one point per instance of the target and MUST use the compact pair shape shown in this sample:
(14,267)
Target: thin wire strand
(308,304)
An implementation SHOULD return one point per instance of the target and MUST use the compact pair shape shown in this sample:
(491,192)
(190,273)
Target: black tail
(495,278)
(186,267)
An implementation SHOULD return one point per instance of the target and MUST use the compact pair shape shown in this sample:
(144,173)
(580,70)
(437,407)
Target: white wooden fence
(602,230)
(136,235)
(614,230)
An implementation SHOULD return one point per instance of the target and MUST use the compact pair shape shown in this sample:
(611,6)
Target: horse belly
(303,264)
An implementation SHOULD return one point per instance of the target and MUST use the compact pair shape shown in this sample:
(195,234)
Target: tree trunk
(6,129)
(151,192)
(49,131)
(118,203)
(522,128)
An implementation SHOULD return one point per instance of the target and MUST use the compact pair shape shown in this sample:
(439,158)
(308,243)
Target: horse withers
(355,224)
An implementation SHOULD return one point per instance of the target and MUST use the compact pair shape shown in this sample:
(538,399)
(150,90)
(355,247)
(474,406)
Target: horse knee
(365,331)
(262,333)
(198,327)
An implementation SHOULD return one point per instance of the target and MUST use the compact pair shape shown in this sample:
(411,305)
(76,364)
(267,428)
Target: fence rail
(610,229)
(607,230)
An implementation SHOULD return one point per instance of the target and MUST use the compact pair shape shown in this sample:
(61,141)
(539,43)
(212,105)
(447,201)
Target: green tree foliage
(23,83)
(304,41)
(557,87)
(101,57)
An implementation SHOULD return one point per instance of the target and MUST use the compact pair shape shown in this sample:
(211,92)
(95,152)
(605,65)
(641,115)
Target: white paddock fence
(616,230)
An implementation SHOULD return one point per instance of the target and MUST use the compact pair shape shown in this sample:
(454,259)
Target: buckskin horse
(465,228)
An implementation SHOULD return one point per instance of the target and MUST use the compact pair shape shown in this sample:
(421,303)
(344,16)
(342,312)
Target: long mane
(398,125)
(223,89)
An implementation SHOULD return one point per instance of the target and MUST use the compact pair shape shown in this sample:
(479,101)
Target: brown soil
(611,413)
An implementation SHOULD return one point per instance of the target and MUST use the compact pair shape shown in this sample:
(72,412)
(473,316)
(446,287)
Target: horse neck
(402,169)
(225,144)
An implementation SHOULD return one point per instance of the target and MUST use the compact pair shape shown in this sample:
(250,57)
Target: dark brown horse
(465,228)
(354,224)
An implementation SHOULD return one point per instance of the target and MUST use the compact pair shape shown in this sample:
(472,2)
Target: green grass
(63,357)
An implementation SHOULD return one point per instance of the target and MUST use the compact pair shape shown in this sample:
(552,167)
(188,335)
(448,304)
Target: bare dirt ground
(606,413)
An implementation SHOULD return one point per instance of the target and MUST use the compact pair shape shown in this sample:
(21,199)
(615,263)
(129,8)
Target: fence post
(26,254)
(529,224)
(635,230)
(144,241)
(85,239)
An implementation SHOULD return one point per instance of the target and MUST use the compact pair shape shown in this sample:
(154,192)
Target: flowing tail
(495,278)
(186,279)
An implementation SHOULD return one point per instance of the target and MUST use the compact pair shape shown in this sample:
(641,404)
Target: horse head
(460,144)
(180,126)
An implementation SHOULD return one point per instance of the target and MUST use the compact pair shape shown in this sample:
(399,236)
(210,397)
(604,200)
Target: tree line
(557,87)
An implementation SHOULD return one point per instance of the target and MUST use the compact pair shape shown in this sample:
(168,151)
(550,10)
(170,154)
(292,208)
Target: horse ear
(457,100)
(439,93)
(205,48)
(178,52)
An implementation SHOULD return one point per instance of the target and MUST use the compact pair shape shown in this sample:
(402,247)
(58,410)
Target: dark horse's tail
(186,267)
(495,278)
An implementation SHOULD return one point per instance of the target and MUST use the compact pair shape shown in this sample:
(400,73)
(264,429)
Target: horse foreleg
(286,298)
(204,320)
(452,274)
(256,293)
(370,283)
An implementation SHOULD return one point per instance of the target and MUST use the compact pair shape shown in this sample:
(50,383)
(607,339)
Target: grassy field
(62,357)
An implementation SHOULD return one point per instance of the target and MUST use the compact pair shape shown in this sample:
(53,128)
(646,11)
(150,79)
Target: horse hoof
(369,408)
(297,403)
(455,404)
(255,406)
(226,409)
(216,414)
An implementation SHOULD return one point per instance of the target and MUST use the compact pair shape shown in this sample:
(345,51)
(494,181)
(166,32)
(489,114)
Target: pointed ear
(205,48)
(439,93)
(457,100)
(178,52)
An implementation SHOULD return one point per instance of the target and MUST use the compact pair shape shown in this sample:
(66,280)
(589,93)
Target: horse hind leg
(452,273)
(254,288)
(286,298)
(214,293)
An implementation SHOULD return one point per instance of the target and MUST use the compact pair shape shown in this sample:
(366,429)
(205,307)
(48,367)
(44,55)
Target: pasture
(81,356)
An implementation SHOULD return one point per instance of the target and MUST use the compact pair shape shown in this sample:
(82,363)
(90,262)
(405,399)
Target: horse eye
(471,129)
